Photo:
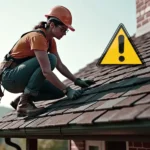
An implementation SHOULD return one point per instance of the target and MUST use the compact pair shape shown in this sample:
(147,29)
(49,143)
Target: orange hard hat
(63,14)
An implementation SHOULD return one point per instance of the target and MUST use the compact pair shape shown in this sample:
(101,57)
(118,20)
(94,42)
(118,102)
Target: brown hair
(45,25)
(41,25)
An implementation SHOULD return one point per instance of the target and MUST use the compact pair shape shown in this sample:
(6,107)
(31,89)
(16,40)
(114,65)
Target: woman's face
(59,31)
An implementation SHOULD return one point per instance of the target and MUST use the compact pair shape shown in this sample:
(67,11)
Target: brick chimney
(142,17)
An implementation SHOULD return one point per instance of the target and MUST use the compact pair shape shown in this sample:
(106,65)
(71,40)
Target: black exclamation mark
(121,47)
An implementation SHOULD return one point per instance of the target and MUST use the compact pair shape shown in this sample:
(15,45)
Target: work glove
(84,83)
(73,94)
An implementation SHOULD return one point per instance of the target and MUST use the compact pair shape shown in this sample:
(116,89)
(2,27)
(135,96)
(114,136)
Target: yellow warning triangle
(120,50)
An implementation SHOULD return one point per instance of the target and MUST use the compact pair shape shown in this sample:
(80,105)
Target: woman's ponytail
(40,25)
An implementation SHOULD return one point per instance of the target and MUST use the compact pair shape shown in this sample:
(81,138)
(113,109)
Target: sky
(95,22)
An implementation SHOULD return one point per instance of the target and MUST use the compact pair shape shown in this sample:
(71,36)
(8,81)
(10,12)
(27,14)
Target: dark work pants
(28,78)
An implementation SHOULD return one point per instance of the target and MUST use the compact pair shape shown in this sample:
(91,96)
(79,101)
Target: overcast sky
(95,22)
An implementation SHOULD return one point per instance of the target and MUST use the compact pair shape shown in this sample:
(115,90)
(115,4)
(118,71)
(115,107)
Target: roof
(118,104)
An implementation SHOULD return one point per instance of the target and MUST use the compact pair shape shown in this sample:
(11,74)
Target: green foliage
(52,144)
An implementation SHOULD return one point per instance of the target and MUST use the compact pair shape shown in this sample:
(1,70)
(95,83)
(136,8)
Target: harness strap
(8,56)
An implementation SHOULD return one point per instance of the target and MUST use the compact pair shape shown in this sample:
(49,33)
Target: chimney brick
(142,16)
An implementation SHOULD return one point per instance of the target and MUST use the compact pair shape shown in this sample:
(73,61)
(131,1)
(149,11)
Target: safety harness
(20,60)
(8,59)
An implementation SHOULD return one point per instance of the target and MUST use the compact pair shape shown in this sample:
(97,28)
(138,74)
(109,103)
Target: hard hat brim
(70,27)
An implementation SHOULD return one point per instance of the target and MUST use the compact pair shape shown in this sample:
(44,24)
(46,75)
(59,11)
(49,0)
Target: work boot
(15,102)
(26,107)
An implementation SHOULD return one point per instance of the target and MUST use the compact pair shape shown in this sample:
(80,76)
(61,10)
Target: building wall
(80,145)
(97,145)
(139,145)
(77,145)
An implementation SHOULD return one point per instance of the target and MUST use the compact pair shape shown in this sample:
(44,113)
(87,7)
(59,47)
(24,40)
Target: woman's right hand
(73,94)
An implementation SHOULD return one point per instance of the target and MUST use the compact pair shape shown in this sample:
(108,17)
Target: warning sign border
(110,43)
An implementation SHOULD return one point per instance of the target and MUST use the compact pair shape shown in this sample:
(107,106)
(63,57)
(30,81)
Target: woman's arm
(63,69)
(44,62)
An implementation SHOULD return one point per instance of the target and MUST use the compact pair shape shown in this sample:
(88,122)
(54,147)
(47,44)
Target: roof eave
(125,131)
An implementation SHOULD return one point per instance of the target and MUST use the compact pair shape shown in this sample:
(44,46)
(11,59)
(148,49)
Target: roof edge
(104,131)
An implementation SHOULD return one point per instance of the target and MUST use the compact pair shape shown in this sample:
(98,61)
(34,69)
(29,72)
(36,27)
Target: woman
(34,57)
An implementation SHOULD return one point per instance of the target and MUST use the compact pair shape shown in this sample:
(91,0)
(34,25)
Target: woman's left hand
(84,83)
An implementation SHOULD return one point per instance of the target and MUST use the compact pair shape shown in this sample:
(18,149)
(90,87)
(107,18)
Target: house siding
(77,145)
(139,145)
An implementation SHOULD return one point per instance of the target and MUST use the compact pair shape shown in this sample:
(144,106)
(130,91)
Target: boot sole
(30,114)
(35,113)
(21,114)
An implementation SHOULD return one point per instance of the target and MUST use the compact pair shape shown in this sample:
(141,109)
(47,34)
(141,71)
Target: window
(93,148)
(94,145)
(106,145)
(114,145)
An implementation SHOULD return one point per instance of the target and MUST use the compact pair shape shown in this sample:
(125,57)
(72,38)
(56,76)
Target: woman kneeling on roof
(34,58)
